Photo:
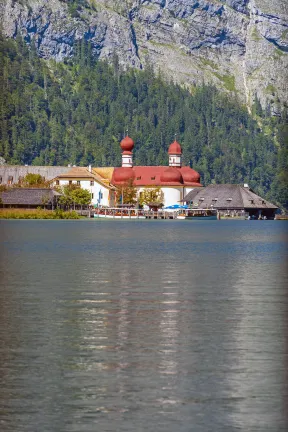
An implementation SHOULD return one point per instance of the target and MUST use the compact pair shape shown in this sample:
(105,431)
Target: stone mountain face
(239,45)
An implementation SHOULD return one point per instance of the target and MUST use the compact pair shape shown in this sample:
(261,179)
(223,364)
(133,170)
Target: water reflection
(165,326)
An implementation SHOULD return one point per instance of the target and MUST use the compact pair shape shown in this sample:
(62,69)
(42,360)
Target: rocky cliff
(239,45)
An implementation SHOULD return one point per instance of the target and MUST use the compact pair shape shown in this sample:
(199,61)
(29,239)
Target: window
(57,183)
(91,182)
(0,179)
(252,201)
(78,182)
(92,195)
(70,182)
(153,178)
(10,179)
(138,178)
(229,199)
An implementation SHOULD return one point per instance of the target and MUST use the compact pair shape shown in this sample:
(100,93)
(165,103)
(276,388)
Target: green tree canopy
(35,180)
(76,112)
(81,196)
(151,195)
(72,195)
(127,194)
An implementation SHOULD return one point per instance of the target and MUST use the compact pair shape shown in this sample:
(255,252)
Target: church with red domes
(175,180)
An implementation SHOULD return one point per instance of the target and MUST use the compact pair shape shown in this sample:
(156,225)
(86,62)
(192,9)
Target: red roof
(175,148)
(122,175)
(156,176)
(171,175)
(189,175)
(127,144)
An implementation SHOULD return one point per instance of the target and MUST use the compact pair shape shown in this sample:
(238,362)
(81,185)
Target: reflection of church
(175,180)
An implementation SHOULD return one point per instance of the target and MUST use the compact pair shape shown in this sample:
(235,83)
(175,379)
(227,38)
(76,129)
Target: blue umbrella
(176,207)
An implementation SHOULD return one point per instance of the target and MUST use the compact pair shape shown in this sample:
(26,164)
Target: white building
(101,190)
(175,180)
(104,183)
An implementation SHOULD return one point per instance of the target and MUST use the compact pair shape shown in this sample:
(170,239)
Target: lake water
(143,326)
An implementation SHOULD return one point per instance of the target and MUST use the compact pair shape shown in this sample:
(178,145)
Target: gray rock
(239,45)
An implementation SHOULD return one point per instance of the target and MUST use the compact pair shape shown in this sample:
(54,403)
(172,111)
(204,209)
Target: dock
(132,213)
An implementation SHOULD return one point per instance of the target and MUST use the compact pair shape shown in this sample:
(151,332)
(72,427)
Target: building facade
(231,200)
(101,190)
(178,183)
(103,193)
(174,180)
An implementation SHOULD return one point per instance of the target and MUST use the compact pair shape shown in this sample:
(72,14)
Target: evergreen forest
(77,112)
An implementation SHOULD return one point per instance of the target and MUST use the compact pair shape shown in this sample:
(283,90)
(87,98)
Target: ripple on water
(143,326)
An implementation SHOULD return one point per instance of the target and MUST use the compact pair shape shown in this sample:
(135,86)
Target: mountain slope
(241,46)
(54,113)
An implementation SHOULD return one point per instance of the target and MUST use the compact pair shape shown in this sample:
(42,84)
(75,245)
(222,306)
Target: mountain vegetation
(78,110)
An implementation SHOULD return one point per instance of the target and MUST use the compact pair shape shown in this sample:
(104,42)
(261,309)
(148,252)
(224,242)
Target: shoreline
(41,214)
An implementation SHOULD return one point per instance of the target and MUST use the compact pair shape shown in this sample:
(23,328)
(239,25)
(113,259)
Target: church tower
(127,145)
(175,155)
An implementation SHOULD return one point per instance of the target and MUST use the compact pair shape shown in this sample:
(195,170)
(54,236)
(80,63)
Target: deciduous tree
(127,194)
(151,195)
(34,180)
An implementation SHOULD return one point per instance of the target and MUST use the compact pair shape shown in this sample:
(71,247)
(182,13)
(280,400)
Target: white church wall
(99,194)
(172,195)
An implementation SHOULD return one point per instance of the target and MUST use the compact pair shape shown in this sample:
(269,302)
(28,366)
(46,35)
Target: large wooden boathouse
(231,200)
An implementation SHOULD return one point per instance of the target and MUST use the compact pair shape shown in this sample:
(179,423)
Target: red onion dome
(127,144)
(175,148)
(171,175)
(189,175)
(123,174)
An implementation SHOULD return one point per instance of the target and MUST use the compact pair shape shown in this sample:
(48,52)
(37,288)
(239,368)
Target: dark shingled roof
(227,196)
(28,196)
(192,194)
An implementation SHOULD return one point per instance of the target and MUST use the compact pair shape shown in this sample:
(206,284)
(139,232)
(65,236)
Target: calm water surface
(143,326)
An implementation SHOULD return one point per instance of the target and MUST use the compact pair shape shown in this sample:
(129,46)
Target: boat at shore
(197,214)
(132,213)
(119,213)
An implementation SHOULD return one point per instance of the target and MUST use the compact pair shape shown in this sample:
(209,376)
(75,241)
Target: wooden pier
(120,213)
(132,213)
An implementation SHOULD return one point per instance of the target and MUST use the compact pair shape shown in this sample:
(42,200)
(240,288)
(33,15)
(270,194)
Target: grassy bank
(37,214)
